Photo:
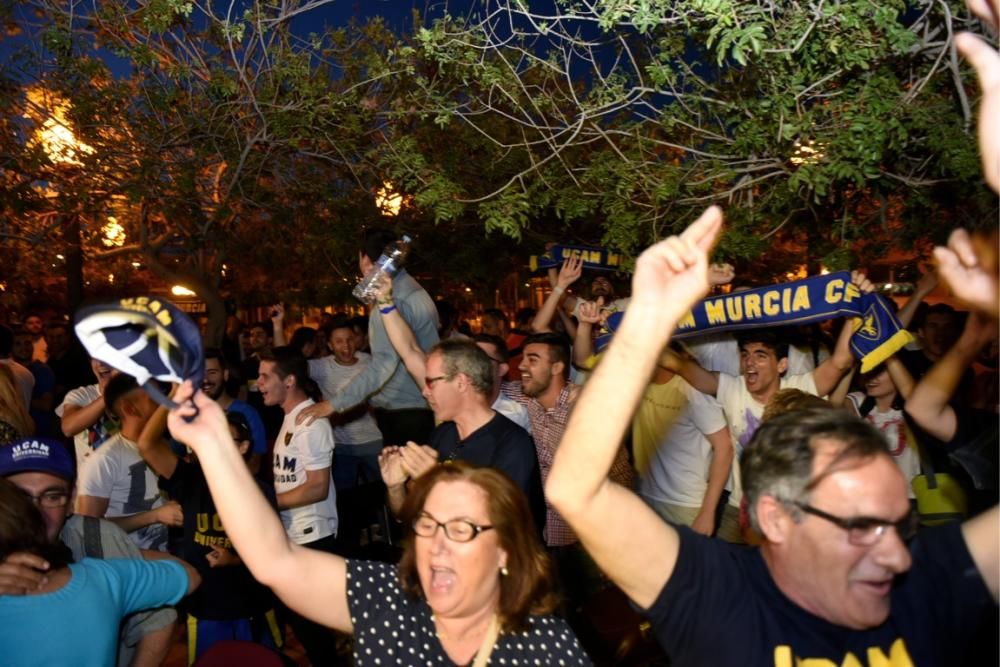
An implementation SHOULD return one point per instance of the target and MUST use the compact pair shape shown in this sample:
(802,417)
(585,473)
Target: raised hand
(961,266)
(278,312)
(861,280)
(570,272)
(986,61)
(721,274)
(390,464)
(417,459)
(383,289)
(672,275)
(208,426)
(590,311)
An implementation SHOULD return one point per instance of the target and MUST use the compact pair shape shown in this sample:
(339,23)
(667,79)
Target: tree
(821,123)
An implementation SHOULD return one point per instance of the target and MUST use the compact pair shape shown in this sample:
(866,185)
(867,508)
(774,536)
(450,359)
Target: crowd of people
(403,492)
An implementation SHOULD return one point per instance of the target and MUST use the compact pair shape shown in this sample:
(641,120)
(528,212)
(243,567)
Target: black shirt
(500,444)
(226,593)
(721,607)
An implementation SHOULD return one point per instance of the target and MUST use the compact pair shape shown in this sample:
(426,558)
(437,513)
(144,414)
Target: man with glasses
(44,470)
(837,580)
(458,381)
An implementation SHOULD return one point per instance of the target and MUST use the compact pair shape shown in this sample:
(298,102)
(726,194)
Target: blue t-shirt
(258,437)
(721,607)
(78,624)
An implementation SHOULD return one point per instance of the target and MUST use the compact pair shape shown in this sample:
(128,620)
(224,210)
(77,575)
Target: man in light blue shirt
(401,412)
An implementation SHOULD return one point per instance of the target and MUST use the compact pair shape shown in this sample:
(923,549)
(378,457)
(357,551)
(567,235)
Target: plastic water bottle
(388,264)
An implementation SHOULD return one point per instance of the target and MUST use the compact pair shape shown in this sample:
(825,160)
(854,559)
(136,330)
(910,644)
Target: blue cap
(37,455)
(146,337)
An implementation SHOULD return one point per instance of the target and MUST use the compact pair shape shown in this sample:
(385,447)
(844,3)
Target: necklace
(470,634)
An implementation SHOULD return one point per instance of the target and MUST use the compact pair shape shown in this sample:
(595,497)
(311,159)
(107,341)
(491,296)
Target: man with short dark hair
(825,586)
(44,470)
(303,458)
(261,338)
(214,384)
(116,484)
(35,326)
(400,409)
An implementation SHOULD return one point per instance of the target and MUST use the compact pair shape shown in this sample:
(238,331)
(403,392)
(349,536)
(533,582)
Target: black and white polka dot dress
(392,628)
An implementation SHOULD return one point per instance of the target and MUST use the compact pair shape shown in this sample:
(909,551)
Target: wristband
(558,289)
(388,309)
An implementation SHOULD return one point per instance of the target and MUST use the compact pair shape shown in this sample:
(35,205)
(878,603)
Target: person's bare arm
(828,374)
(924,287)
(401,335)
(169,514)
(583,341)
(707,382)
(390,465)
(986,60)
(568,274)
(278,324)
(838,397)
(626,539)
(900,376)
(314,489)
(154,646)
(928,404)
(77,418)
(982,537)
(154,449)
(313,583)
(718,474)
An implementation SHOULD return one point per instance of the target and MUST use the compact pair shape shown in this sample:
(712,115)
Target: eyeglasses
(430,381)
(864,531)
(456,530)
(50,499)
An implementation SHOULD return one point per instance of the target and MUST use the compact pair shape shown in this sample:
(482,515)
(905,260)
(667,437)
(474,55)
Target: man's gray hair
(778,461)
(465,357)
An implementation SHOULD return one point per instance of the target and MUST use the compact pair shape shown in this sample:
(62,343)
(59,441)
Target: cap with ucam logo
(37,455)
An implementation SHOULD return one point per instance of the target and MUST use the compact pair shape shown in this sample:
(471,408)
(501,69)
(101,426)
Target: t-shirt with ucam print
(744,413)
(299,449)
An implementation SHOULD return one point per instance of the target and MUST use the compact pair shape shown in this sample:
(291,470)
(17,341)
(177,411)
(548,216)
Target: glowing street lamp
(389,201)
(113,233)
(180,290)
(54,133)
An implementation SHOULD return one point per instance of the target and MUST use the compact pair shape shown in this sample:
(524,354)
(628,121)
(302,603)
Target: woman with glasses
(73,616)
(473,585)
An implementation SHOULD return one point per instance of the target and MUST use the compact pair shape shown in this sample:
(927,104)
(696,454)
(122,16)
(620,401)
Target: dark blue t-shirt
(500,444)
(721,607)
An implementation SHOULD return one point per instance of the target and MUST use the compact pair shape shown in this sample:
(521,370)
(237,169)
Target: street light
(64,150)
(389,201)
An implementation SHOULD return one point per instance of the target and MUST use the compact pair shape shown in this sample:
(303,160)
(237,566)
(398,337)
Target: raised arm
(707,382)
(278,324)
(568,274)
(828,374)
(986,60)
(924,287)
(401,335)
(928,404)
(311,582)
(982,537)
(78,418)
(623,535)
(583,341)
(154,449)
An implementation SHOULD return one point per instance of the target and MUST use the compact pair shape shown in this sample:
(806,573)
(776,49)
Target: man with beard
(214,384)
(549,396)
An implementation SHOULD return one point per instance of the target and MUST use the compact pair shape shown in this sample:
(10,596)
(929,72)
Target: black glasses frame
(867,530)
(476,528)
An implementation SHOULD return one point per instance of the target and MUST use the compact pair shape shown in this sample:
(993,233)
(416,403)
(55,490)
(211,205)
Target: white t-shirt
(82,445)
(721,353)
(300,448)
(743,414)
(331,377)
(669,432)
(513,411)
(892,425)
(117,472)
